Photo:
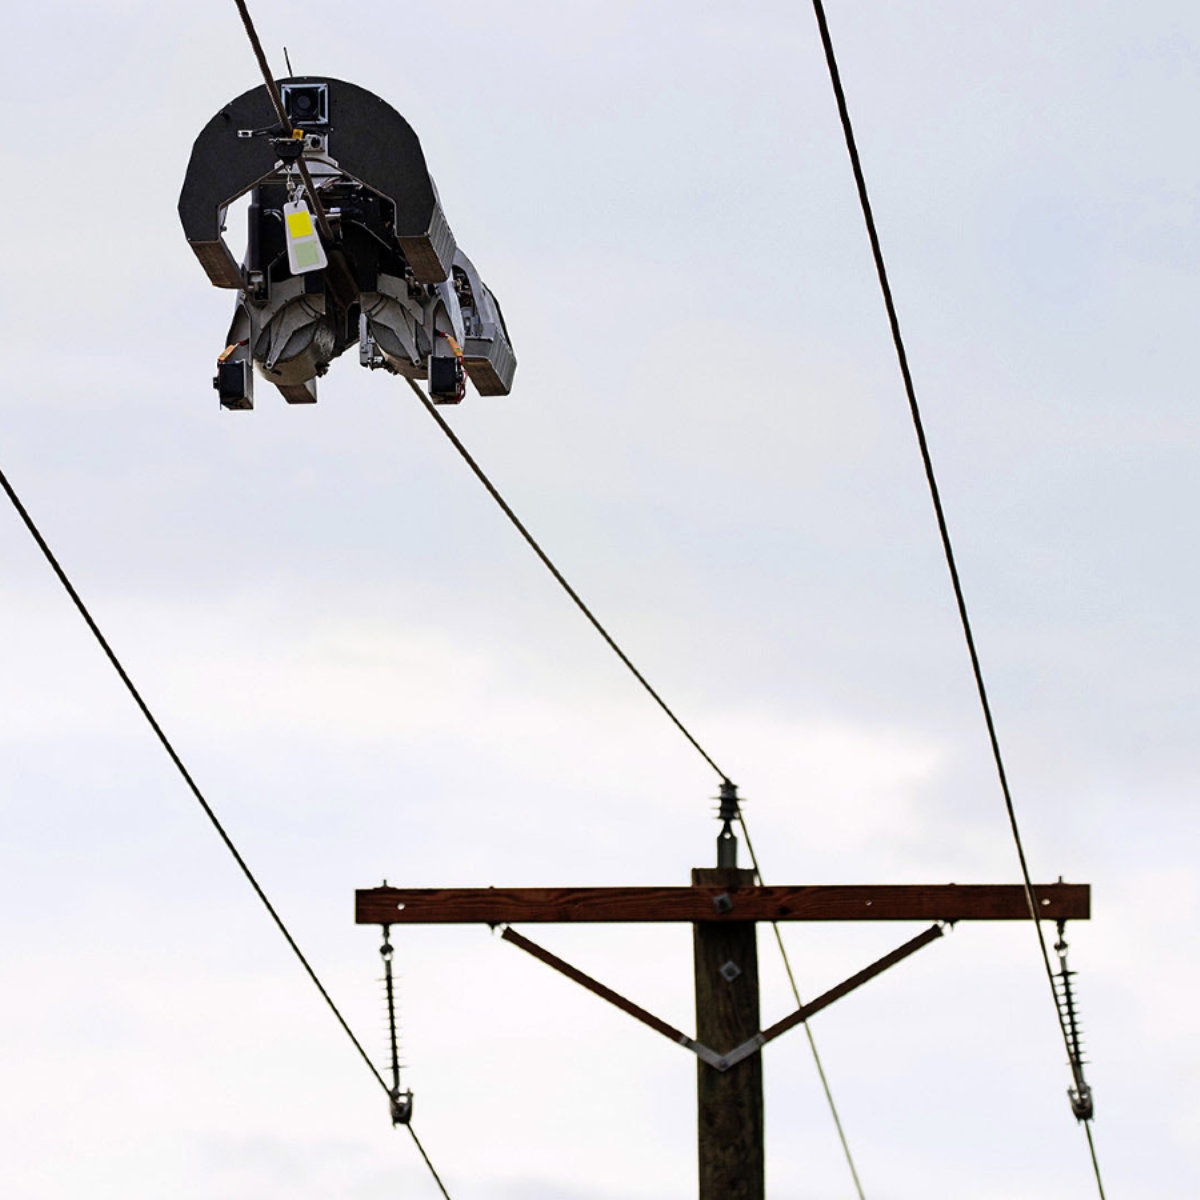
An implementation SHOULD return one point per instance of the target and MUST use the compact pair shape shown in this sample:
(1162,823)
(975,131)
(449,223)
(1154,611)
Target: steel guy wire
(194,788)
(939,512)
(492,491)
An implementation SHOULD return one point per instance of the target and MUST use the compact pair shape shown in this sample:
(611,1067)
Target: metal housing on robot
(395,281)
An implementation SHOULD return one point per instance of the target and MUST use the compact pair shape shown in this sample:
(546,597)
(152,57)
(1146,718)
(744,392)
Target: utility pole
(723,906)
(729,1104)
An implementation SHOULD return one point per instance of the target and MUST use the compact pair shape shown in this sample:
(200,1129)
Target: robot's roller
(390,277)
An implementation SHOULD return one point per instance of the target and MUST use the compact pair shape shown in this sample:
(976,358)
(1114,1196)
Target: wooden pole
(730,1103)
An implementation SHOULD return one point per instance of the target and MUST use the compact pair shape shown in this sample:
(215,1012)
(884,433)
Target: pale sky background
(371,676)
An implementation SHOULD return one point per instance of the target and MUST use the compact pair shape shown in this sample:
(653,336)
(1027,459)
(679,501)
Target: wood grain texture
(729,1103)
(915,902)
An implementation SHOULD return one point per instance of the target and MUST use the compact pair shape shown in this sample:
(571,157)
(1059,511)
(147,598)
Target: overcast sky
(372,677)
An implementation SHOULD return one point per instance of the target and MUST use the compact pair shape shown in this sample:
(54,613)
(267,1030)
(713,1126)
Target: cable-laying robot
(369,258)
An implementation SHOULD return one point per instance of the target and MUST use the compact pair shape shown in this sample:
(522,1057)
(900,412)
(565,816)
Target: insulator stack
(727,814)
(400,1102)
(1081,1094)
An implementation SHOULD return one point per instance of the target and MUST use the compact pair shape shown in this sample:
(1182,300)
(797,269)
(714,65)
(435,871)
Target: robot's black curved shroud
(396,282)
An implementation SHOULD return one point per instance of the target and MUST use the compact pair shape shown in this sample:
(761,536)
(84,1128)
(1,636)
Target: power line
(492,491)
(812,1041)
(193,787)
(281,114)
(519,525)
(276,100)
(327,232)
(1087,1129)
(943,529)
(432,1170)
(263,66)
(179,765)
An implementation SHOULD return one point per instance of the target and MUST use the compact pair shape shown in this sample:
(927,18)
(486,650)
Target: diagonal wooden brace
(801,1015)
(722,1062)
(593,985)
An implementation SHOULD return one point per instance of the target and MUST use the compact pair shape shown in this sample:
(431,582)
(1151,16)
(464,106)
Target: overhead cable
(194,788)
(726,784)
(943,529)
(812,1041)
(327,232)
(281,114)
(519,525)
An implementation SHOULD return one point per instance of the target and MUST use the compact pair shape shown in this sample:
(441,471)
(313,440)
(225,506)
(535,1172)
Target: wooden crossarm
(891,902)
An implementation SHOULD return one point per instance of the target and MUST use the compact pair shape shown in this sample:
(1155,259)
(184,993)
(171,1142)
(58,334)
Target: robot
(347,242)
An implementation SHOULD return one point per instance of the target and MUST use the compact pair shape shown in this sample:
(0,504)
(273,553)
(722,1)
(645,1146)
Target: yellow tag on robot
(305,252)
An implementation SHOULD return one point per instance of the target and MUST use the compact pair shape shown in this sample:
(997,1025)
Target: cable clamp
(401,1105)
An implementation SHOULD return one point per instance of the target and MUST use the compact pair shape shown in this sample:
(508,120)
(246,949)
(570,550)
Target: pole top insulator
(729,802)
(727,814)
